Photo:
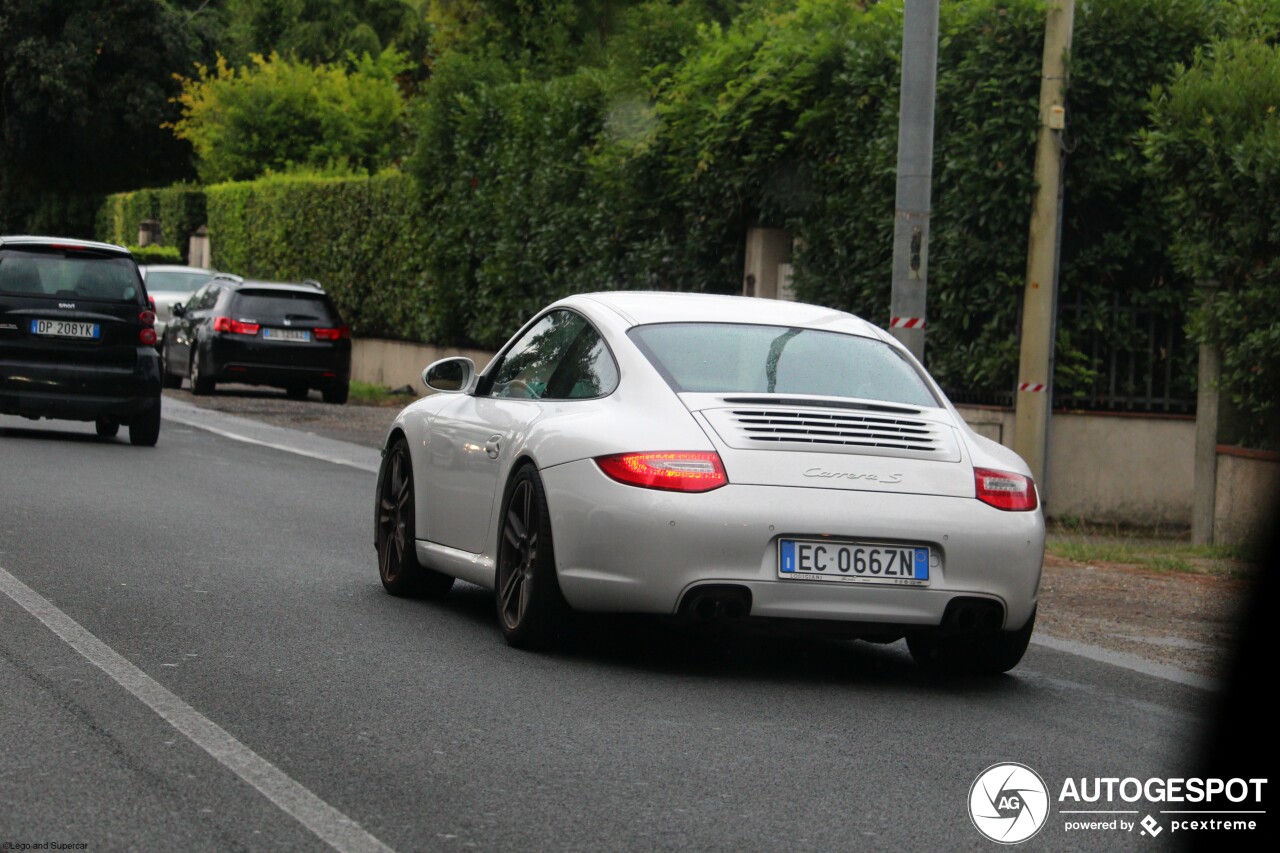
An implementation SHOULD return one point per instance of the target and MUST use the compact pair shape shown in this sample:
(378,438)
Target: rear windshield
(730,358)
(277,306)
(69,274)
(175,282)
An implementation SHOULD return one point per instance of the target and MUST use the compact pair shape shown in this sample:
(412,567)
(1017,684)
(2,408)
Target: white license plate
(299,335)
(66,329)
(853,562)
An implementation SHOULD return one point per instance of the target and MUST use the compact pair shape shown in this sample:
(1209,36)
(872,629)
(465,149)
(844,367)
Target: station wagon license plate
(66,329)
(853,562)
(298,335)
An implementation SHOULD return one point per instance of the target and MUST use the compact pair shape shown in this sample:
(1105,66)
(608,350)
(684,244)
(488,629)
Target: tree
(324,31)
(84,88)
(274,114)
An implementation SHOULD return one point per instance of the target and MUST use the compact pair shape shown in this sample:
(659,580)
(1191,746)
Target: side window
(587,370)
(209,298)
(560,358)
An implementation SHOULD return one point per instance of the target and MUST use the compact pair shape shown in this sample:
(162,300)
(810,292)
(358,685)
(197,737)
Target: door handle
(493,446)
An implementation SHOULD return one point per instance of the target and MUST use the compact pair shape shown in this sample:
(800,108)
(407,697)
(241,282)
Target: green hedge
(180,210)
(154,254)
(362,238)
(788,118)
(1215,149)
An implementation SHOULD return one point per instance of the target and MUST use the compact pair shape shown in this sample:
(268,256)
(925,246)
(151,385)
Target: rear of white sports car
(818,477)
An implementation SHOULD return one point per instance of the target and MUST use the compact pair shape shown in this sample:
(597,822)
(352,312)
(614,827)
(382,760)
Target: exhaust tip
(716,602)
(704,608)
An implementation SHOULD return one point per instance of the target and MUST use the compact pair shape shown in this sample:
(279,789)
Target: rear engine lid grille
(825,430)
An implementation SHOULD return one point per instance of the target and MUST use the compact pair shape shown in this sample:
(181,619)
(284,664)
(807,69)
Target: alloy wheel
(519,555)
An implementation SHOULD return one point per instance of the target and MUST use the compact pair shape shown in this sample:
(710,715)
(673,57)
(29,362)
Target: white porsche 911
(713,458)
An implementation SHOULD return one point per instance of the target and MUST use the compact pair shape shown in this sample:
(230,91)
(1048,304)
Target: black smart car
(259,333)
(77,336)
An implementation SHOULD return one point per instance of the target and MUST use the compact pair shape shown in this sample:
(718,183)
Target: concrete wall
(1124,469)
(1247,493)
(396,363)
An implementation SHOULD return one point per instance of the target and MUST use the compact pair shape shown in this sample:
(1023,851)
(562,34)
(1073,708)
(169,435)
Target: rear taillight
(226,324)
(1005,490)
(151,300)
(147,334)
(675,471)
(340,333)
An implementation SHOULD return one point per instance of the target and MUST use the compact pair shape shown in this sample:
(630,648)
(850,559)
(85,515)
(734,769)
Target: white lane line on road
(299,443)
(330,825)
(1127,661)
(295,450)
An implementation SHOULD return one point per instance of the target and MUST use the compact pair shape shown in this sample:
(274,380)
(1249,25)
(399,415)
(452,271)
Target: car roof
(280,285)
(30,240)
(176,268)
(645,307)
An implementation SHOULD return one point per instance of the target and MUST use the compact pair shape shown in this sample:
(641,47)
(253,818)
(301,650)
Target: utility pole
(1034,402)
(915,174)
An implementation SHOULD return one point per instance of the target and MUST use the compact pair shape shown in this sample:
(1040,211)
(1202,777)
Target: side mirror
(450,375)
(178,309)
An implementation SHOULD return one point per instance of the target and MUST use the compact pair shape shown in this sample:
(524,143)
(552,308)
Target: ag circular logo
(1008,803)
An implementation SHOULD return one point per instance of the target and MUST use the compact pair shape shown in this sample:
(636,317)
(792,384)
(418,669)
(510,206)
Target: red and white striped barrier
(906,323)
(1033,387)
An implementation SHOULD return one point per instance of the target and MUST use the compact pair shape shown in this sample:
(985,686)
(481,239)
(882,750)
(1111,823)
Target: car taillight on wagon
(340,333)
(1005,490)
(226,324)
(673,471)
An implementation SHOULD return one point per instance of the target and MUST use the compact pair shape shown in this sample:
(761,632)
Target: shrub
(180,210)
(154,254)
(274,113)
(1214,146)
(788,118)
(362,238)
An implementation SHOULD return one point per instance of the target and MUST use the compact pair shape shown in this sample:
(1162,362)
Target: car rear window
(69,274)
(175,282)
(731,358)
(276,306)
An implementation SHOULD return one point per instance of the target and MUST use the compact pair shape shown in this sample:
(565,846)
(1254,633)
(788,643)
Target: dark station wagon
(77,336)
(259,333)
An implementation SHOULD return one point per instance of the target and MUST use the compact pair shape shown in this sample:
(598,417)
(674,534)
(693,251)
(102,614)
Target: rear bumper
(256,363)
(79,391)
(620,548)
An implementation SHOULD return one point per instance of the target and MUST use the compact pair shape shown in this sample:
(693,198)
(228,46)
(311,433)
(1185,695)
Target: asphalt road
(213,586)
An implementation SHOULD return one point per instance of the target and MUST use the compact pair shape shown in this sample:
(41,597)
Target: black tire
(200,385)
(144,430)
(531,609)
(980,654)
(297,392)
(167,379)
(106,428)
(337,394)
(398,565)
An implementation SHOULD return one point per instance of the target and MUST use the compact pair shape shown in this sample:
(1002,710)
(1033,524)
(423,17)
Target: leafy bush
(179,209)
(504,170)
(788,118)
(154,254)
(1215,149)
(362,238)
(274,114)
